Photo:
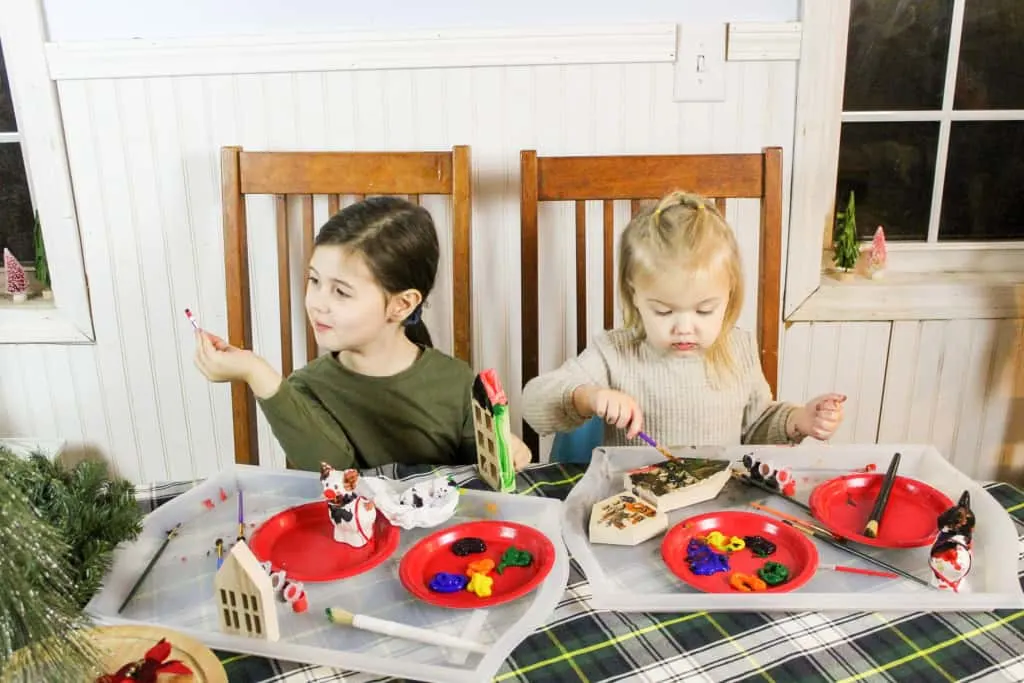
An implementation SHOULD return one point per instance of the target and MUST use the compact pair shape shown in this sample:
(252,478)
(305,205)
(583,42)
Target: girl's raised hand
(221,362)
(619,409)
(821,417)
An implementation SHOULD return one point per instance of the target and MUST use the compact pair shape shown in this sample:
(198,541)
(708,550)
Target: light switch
(700,63)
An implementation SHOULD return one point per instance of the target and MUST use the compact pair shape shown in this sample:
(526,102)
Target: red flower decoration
(147,669)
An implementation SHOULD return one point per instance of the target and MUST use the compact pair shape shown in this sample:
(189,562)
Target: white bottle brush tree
(845,249)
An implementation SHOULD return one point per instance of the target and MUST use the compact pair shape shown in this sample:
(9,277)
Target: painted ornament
(352,515)
(951,554)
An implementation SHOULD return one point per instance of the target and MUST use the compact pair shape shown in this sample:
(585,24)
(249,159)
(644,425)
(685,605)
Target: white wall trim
(819,104)
(652,42)
(916,296)
(763,41)
(37,110)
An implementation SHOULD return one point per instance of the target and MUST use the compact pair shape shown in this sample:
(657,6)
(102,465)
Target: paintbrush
(337,615)
(744,479)
(145,572)
(241,517)
(859,570)
(661,449)
(856,553)
(871,528)
(791,518)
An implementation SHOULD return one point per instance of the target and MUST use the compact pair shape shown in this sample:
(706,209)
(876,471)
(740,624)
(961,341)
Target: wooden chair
(328,173)
(636,178)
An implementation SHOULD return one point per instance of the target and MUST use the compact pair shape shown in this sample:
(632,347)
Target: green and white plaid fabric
(579,643)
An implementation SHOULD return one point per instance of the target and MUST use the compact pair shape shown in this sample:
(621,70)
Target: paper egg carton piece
(634,578)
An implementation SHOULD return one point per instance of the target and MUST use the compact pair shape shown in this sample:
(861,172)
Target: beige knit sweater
(679,404)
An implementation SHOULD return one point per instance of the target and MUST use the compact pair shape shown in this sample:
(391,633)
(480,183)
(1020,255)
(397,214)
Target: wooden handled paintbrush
(871,528)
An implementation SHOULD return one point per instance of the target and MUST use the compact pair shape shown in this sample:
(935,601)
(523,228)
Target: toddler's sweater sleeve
(764,419)
(547,398)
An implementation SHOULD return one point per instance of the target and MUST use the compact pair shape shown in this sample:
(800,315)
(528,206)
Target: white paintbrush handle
(391,628)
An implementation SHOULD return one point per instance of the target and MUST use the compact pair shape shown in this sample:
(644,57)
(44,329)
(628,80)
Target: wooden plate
(119,645)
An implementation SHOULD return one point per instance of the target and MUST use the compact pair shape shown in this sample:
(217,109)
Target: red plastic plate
(433,554)
(843,506)
(300,541)
(792,548)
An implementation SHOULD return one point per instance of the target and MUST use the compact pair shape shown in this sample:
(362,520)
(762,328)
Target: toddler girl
(679,370)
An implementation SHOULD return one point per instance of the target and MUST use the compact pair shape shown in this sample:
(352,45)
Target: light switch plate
(700,63)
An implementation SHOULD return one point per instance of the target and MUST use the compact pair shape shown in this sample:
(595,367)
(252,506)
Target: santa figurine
(352,515)
(951,557)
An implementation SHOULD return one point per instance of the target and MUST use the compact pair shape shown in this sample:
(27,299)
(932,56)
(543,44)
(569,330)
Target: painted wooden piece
(624,519)
(493,433)
(673,484)
(352,515)
(951,555)
(245,596)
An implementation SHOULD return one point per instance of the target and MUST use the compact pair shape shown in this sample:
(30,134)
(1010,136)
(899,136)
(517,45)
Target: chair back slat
(609,264)
(302,176)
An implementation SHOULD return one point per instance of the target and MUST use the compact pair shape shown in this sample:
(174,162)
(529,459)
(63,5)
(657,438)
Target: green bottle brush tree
(846,249)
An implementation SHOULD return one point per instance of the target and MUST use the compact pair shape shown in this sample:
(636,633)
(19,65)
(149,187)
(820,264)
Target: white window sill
(37,321)
(915,296)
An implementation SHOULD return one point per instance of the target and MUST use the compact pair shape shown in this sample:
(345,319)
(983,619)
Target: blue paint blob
(703,561)
(443,582)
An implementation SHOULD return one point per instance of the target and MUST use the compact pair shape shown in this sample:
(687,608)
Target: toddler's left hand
(820,417)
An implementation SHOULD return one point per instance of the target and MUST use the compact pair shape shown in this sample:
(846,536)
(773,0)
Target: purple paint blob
(443,582)
(703,560)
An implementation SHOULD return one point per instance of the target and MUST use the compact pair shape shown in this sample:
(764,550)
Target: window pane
(6,106)
(890,167)
(990,74)
(896,54)
(16,216)
(982,199)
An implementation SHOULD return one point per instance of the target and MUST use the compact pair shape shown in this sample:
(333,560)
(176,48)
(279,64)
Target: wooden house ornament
(493,433)
(245,596)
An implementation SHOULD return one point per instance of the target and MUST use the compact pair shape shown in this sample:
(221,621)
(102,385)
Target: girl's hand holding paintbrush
(219,361)
(614,407)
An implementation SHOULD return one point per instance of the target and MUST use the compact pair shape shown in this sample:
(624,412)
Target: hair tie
(700,206)
(657,215)
(416,315)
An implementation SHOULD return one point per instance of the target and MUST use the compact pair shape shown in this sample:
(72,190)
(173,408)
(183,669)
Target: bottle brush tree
(846,250)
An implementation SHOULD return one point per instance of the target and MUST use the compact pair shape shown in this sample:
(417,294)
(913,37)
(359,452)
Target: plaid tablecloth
(579,643)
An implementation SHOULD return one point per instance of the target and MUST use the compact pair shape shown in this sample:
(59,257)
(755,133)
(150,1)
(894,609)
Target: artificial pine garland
(91,511)
(41,636)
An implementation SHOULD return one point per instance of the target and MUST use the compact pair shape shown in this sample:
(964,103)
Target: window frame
(923,281)
(67,319)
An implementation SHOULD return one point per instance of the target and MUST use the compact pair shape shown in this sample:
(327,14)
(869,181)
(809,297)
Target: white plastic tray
(635,579)
(178,593)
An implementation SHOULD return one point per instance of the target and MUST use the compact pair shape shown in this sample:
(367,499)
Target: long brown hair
(399,243)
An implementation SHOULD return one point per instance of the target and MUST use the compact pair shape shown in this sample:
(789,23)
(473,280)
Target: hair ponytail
(416,330)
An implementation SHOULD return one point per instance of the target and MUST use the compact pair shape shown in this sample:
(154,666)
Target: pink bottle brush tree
(878,254)
(17,283)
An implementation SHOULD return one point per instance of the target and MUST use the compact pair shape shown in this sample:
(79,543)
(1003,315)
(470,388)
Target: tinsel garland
(91,512)
(41,637)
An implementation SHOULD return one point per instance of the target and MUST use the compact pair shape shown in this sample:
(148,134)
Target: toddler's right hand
(221,362)
(616,408)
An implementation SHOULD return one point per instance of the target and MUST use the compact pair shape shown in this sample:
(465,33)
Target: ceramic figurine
(951,557)
(425,504)
(353,515)
(245,596)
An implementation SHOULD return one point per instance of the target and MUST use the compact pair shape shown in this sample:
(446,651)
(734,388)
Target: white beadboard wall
(145,166)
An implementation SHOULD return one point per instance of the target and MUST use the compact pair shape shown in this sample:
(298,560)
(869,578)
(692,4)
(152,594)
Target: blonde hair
(684,231)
